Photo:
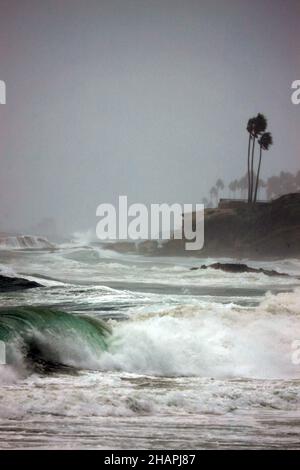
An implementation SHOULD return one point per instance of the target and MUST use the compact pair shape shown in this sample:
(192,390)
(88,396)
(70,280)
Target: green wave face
(50,338)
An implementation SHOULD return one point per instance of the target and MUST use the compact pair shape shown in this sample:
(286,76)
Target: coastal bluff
(256,231)
(250,231)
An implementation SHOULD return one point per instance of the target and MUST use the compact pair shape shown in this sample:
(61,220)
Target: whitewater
(124,351)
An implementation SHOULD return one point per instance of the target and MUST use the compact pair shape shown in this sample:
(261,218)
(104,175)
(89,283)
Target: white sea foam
(182,357)
(100,394)
(8,375)
(209,341)
(24,242)
(7,271)
(220,342)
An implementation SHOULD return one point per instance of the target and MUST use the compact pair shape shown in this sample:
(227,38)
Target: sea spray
(42,335)
(221,341)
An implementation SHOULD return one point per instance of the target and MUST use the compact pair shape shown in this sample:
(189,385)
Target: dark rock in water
(240,268)
(8,284)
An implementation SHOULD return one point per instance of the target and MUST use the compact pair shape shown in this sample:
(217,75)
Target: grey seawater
(198,359)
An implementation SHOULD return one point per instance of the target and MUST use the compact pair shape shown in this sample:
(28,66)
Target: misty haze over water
(147,99)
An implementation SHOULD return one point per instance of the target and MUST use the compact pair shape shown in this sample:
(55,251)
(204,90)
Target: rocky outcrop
(8,284)
(239,268)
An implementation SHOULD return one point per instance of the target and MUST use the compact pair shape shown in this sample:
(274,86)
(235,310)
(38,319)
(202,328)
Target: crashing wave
(212,340)
(24,242)
(43,339)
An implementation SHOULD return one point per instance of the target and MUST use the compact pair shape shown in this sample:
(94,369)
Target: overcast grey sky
(147,98)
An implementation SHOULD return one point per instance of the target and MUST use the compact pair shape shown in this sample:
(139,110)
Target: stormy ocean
(119,351)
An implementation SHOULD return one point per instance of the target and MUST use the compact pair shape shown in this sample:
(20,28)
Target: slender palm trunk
(252,174)
(257,177)
(249,179)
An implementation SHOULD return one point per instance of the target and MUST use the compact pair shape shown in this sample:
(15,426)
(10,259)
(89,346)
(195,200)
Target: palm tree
(214,193)
(236,186)
(265,142)
(257,126)
(233,186)
(219,186)
(250,128)
(243,186)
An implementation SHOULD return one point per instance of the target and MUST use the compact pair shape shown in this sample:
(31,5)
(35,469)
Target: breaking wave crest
(45,339)
(228,341)
(217,341)
(24,242)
